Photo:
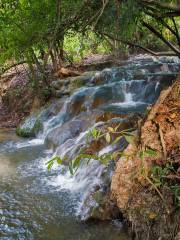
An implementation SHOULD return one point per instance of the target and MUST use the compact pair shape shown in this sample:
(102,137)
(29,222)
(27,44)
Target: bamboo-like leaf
(116,128)
(49,166)
(111,129)
(76,162)
(129,138)
(71,168)
(108,137)
(151,152)
(59,160)
(117,139)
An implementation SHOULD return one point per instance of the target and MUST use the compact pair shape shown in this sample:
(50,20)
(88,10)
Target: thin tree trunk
(161,20)
(58,10)
(53,59)
(177,31)
(141,47)
(160,36)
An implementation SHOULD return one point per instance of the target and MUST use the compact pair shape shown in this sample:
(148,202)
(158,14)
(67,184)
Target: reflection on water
(31,208)
(7,135)
(6,167)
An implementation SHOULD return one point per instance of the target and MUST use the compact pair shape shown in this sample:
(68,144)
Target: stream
(39,204)
(32,206)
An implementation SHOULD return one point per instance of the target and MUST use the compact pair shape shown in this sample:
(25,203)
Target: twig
(105,2)
(163,142)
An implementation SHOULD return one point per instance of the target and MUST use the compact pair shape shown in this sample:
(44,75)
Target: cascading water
(39,204)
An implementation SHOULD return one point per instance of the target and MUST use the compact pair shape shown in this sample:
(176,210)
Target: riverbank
(145,184)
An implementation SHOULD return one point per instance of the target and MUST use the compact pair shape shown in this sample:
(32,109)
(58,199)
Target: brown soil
(151,209)
(15,97)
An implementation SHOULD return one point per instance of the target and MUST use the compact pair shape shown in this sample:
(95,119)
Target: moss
(24,132)
(29,132)
(76,83)
(38,126)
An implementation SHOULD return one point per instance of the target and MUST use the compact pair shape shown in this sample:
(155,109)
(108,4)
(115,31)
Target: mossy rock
(29,128)
(80,81)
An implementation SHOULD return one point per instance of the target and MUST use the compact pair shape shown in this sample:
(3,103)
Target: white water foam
(33,142)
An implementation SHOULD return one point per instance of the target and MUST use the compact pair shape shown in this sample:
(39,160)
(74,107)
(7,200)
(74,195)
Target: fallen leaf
(173,115)
(152,215)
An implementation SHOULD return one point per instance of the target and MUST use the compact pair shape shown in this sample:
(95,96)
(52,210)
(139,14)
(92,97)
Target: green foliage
(84,158)
(94,133)
(78,45)
(158,174)
(176,192)
(51,162)
(29,132)
(22,132)
(37,32)
(147,153)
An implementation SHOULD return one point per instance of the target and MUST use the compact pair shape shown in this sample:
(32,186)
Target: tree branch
(161,20)
(138,46)
(11,66)
(160,36)
(176,30)
(167,6)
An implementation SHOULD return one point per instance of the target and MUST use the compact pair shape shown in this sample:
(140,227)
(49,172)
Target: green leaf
(49,166)
(59,160)
(108,137)
(71,168)
(76,162)
(129,138)
(117,139)
(141,154)
(94,132)
(111,129)
(150,152)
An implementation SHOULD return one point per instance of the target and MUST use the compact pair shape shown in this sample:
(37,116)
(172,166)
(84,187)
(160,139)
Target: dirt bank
(145,184)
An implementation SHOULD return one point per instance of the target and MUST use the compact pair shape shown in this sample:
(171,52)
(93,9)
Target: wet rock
(97,205)
(77,104)
(60,134)
(58,84)
(81,80)
(61,93)
(30,127)
(102,77)
(140,74)
(100,207)
(101,96)
(71,129)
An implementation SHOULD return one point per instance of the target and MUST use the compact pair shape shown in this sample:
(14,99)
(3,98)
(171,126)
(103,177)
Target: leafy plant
(176,192)
(94,133)
(158,174)
(84,158)
(51,162)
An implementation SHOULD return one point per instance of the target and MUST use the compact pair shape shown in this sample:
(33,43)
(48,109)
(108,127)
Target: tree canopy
(33,31)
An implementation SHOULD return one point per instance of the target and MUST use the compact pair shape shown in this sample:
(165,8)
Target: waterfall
(124,90)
